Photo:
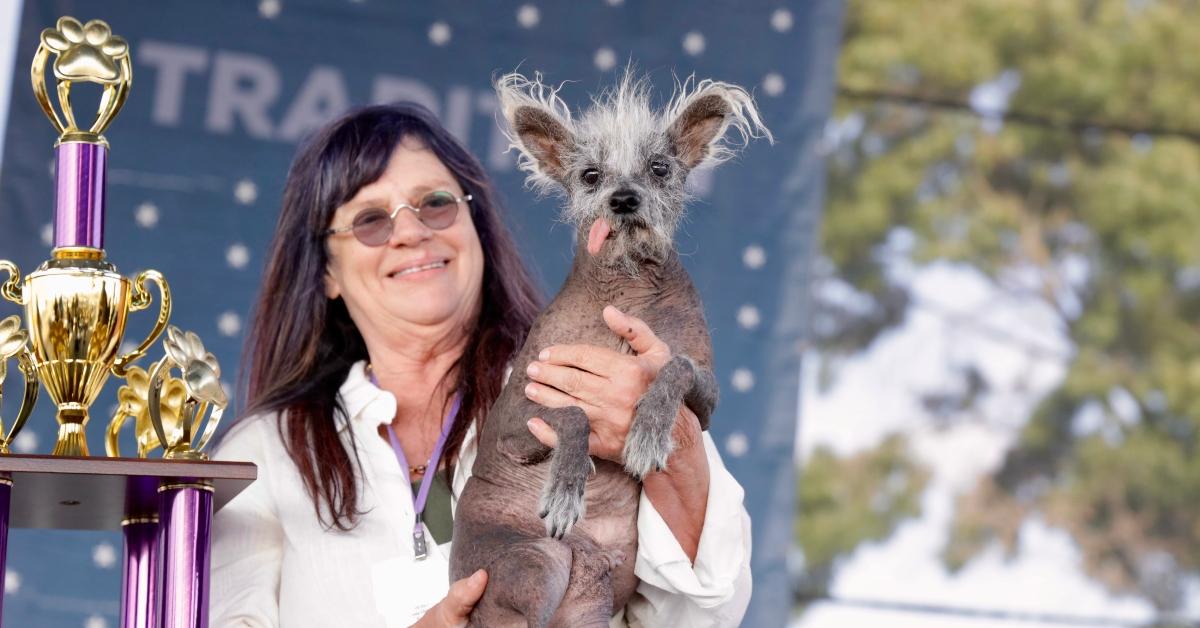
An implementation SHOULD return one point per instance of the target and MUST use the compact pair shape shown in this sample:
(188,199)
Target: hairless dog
(556,531)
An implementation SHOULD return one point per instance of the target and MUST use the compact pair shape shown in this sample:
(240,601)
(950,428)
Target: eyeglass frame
(458,200)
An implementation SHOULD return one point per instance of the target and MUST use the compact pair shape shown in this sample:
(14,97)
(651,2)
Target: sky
(959,318)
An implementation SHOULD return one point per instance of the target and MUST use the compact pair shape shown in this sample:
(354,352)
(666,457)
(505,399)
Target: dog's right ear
(539,125)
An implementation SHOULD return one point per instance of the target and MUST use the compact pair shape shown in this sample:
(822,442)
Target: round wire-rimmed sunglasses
(373,227)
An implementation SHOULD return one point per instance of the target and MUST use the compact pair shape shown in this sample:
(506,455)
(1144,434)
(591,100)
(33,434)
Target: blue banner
(224,91)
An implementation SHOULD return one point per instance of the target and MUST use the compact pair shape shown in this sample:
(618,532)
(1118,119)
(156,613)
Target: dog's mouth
(601,230)
(608,227)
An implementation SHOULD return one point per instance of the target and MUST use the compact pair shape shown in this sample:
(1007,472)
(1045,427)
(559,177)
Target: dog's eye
(591,176)
(659,168)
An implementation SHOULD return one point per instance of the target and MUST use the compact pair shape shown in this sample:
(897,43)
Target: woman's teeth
(417,269)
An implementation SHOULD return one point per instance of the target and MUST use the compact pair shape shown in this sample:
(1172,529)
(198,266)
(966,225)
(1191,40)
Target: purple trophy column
(186,518)
(79,194)
(139,593)
(5,501)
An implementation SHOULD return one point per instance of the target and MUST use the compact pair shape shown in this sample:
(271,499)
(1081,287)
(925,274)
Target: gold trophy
(76,303)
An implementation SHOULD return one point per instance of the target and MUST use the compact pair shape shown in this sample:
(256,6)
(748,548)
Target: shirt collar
(366,404)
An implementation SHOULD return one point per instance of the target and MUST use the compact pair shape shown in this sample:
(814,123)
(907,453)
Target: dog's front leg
(561,504)
(649,442)
(570,465)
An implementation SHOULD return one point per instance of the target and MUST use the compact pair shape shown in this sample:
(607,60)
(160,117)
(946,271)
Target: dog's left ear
(540,125)
(701,118)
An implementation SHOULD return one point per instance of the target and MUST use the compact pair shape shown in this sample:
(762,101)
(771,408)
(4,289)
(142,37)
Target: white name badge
(405,589)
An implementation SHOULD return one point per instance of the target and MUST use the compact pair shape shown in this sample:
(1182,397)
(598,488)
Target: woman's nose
(407,229)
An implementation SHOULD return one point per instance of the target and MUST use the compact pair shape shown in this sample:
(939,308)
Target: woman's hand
(455,609)
(605,383)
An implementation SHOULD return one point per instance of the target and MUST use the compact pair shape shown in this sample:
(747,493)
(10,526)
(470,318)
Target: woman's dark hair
(301,344)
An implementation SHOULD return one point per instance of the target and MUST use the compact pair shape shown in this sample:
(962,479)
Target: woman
(393,298)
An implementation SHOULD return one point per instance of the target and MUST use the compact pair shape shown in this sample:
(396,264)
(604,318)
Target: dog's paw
(562,504)
(649,440)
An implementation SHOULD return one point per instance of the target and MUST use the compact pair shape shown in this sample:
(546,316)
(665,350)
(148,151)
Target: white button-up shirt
(274,564)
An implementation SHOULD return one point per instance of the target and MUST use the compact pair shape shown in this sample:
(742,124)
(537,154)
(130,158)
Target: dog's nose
(624,202)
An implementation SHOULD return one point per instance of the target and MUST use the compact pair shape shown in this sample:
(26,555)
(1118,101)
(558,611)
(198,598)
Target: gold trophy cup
(76,303)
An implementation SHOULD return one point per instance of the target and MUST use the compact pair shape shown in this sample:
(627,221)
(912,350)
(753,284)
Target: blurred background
(999,408)
(225,90)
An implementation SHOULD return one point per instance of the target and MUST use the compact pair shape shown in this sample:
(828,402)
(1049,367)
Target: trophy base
(72,441)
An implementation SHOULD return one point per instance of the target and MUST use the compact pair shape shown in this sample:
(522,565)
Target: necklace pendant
(419,549)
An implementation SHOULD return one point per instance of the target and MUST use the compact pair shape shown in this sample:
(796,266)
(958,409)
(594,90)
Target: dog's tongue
(597,235)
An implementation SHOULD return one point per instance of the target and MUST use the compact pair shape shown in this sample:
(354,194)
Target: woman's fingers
(590,358)
(548,437)
(455,609)
(576,383)
(636,332)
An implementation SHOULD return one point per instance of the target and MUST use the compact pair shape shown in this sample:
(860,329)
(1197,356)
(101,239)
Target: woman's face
(382,292)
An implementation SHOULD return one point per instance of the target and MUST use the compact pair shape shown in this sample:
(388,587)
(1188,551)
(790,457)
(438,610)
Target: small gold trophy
(76,303)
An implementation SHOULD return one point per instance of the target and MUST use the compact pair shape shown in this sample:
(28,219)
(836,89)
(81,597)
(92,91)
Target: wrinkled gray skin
(557,531)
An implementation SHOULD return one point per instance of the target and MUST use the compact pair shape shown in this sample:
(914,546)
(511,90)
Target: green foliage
(1107,224)
(845,502)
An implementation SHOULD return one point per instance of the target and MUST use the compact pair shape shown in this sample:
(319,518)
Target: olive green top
(437,507)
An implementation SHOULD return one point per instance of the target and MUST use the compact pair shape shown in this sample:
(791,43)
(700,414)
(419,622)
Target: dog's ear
(700,118)
(539,125)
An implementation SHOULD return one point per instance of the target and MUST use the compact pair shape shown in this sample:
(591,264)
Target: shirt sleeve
(247,547)
(715,590)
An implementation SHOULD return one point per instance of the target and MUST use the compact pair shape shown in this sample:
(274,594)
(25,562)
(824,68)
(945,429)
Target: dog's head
(622,165)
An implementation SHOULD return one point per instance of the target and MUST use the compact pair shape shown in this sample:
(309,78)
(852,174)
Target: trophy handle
(210,424)
(141,300)
(154,400)
(112,445)
(12,289)
(29,373)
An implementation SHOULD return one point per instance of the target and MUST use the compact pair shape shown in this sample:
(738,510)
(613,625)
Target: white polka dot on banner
(742,380)
(237,255)
(12,581)
(245,192)
(605,59)
(615,3)
(146,215)
(773,84)
(748,317)
(781,20)
(104,555)
(693,43)
(754,257)
(26,442)
(127,346)
(269,8)
(95,621)
(439,33)
(47,234)
(737,444)
(528,16)
(229,323)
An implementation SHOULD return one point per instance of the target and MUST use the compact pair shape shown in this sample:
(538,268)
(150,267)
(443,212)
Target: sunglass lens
(373,227)
(438,210)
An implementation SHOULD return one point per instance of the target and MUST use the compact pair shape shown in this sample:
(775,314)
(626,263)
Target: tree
(1101,225)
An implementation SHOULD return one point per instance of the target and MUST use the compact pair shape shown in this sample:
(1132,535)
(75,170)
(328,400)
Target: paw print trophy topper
(133,404)
(86,53)
(76,303)
(183,437)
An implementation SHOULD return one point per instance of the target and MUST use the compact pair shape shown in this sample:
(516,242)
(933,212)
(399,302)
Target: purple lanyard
(419,547)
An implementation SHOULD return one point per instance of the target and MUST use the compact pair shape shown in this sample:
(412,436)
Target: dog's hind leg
(526,584)
(649,441)
(589,600)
